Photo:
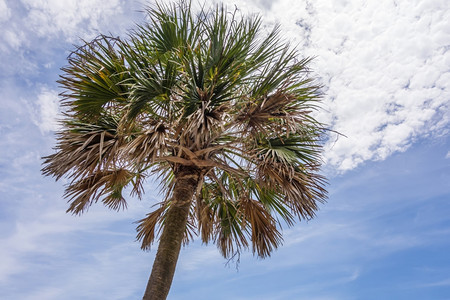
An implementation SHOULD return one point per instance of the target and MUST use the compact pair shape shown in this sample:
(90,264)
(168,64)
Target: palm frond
(147,227)
(220,220)
(104,185)
(265,236)
(83,149)
(148,144)
(92,81)
(151,90)
(302,189)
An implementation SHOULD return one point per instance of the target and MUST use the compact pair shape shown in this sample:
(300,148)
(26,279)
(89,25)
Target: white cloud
(383,64)
(5,12)
(445,282)
(385,68)
(11,38)
(14,39)
(46,117)
(72,18)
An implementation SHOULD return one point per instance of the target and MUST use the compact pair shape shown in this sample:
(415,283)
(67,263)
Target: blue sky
(385,231)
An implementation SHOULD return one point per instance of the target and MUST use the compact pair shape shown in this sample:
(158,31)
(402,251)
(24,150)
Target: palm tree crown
(221,114)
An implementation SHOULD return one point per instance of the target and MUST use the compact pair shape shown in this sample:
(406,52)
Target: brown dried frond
(201,126)
(191,228)
(264,233)
(166,178)
(147,145)
(302,188)
(230,242)
(307,192)
(82,153)
(107,184)
(147,227)
(138,188)
(258,115)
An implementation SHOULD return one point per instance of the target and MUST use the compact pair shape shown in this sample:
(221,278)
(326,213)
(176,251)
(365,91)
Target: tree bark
(163,270)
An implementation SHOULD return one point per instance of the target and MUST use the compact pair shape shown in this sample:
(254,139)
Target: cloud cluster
(9,38)
(71,18)
(47,114)
(5,12)
(384,66)
(34,31)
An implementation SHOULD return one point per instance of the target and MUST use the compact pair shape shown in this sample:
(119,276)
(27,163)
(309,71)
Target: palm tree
(218,112)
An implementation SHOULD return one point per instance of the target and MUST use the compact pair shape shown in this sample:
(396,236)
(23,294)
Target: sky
(384,232)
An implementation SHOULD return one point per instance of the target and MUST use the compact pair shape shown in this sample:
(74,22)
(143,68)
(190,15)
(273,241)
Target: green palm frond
(290,150)
(171,26)
(151,90)
(273,201)
(93,78)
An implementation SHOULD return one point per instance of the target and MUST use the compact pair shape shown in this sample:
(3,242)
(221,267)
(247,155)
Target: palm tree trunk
(172,235)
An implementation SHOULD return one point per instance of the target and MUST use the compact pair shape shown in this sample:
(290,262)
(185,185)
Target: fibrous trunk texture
(172,236)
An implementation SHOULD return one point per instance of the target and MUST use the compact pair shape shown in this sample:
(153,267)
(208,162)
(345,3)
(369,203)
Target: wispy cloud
(445,282)
(47,113)
(5,12)
(71,18)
